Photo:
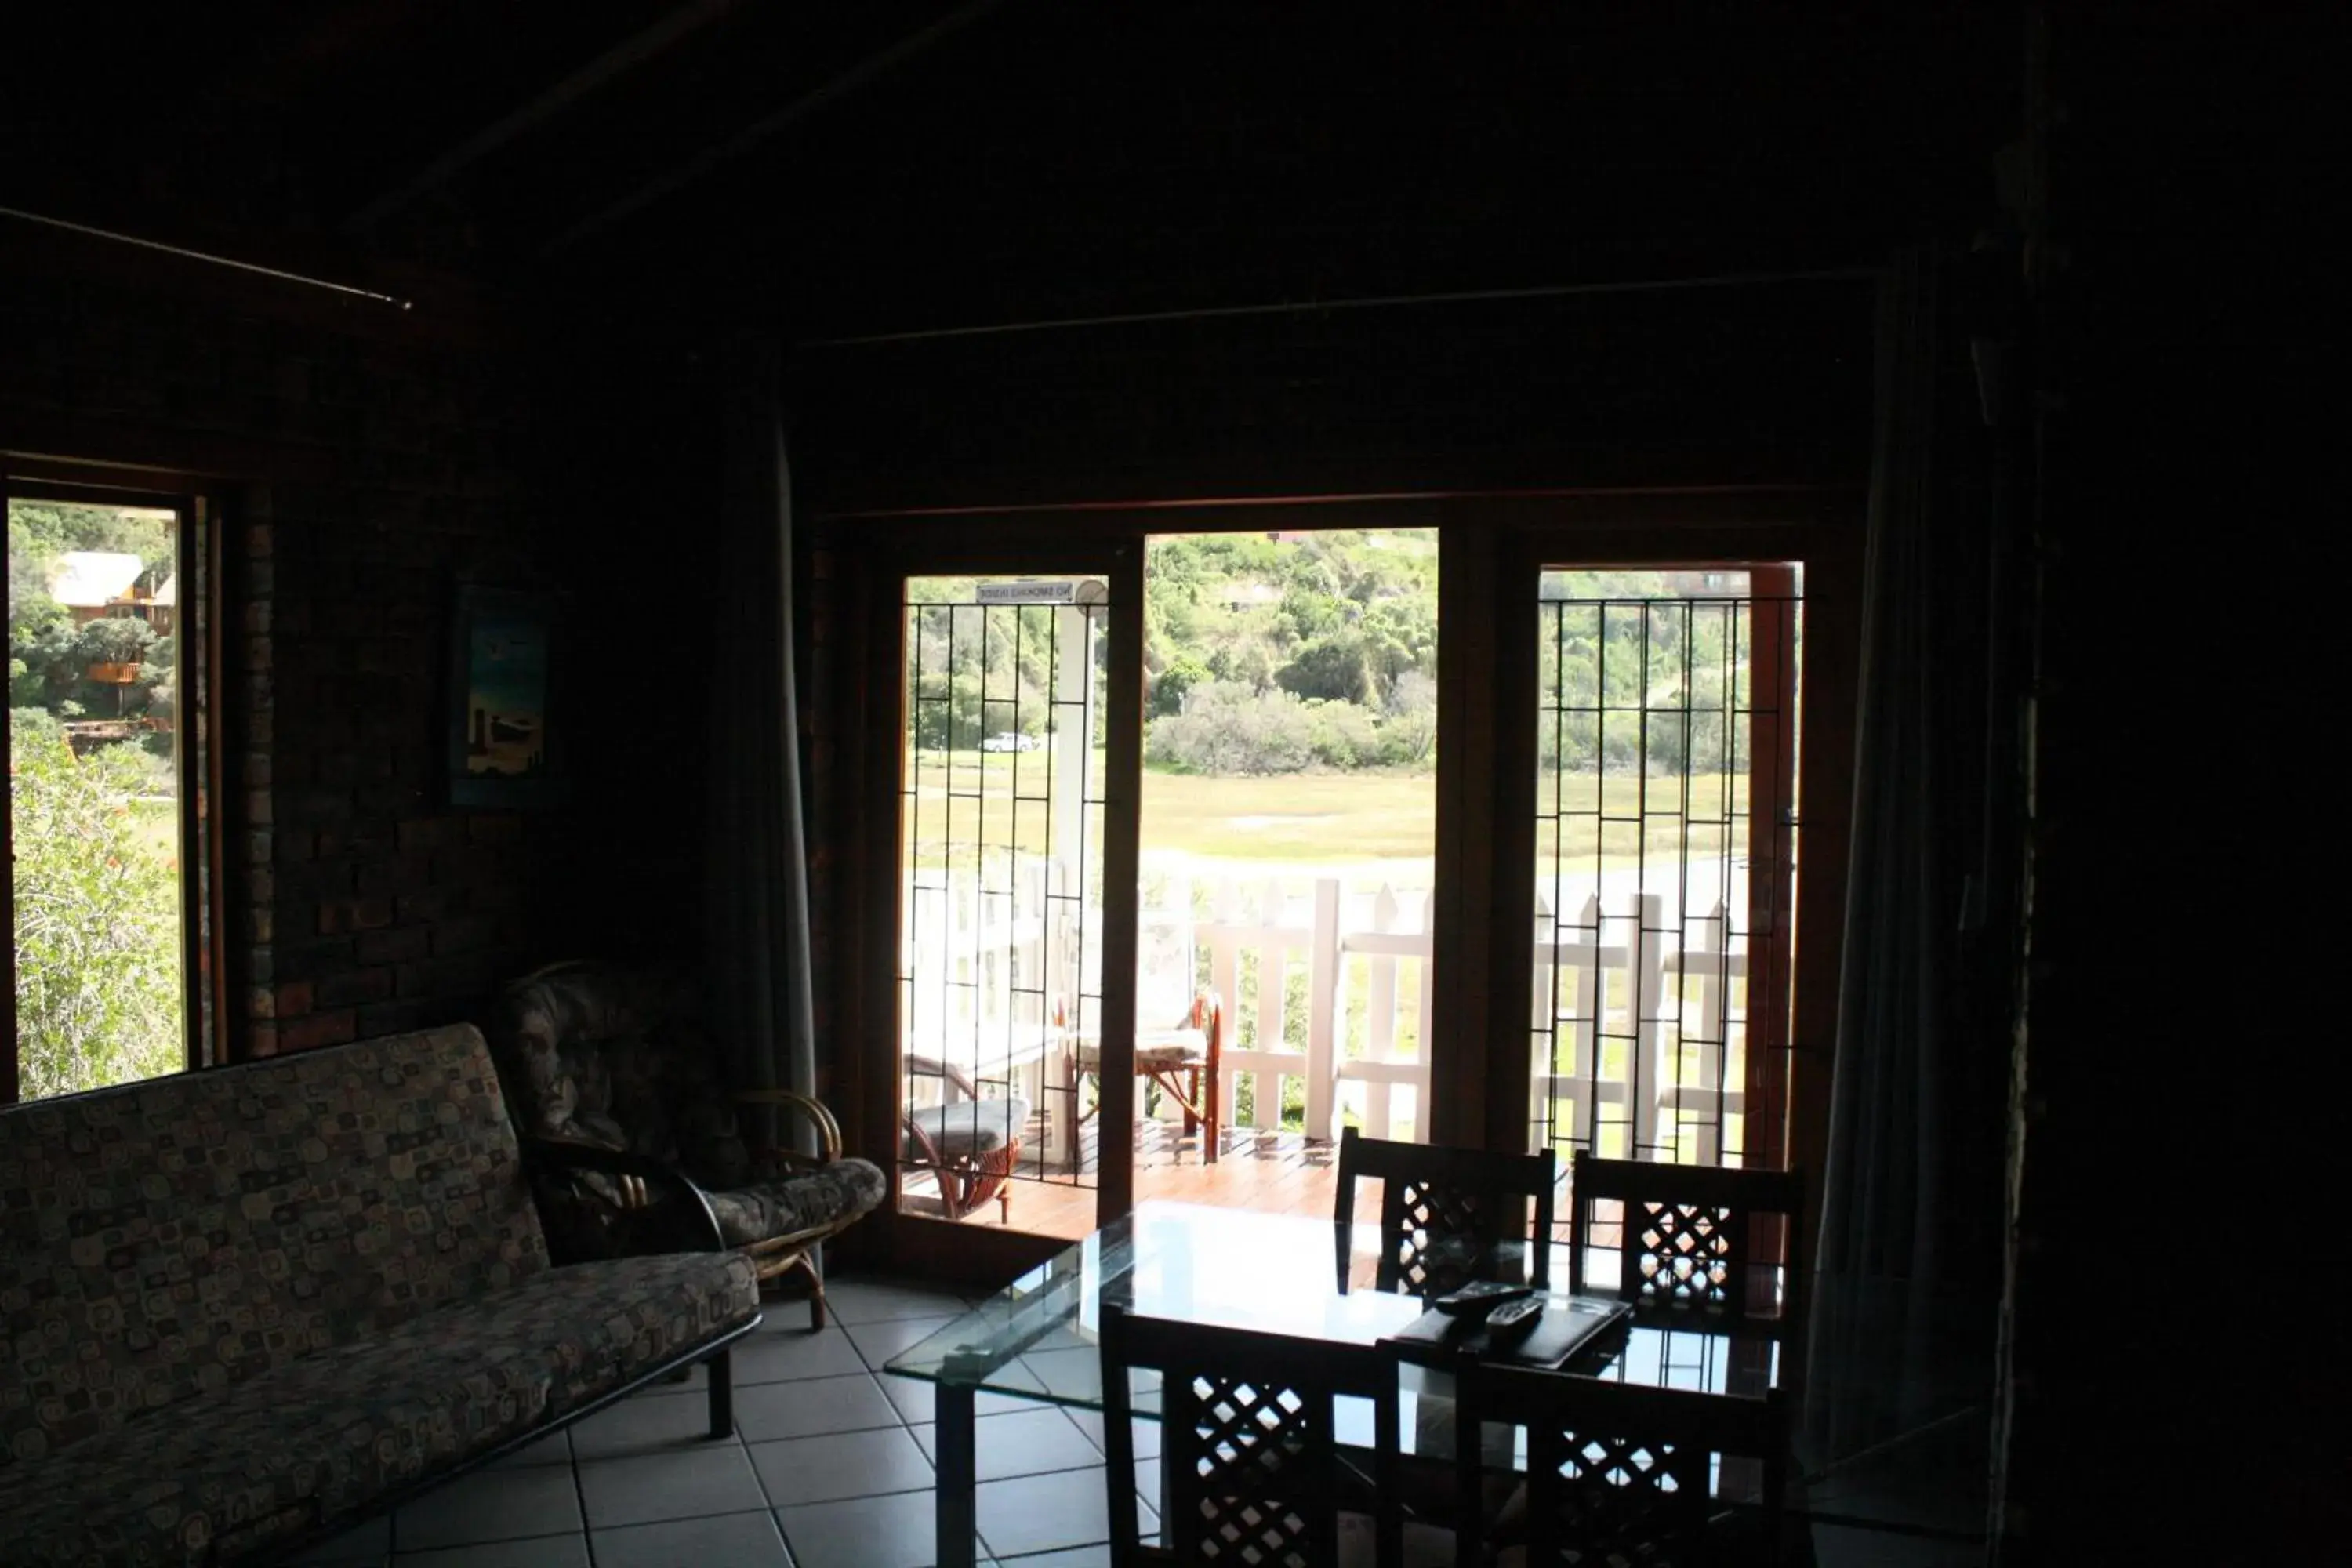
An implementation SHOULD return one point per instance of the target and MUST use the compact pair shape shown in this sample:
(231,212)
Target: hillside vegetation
(1276,654)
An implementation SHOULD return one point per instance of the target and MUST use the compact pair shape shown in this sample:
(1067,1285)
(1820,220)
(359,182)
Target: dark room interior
(667,349)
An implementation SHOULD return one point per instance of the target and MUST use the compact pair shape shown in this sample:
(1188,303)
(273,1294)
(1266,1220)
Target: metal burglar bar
(1665,834)
(1000,867)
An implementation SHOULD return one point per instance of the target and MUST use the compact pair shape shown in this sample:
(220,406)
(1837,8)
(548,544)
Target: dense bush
(98,956)
(1227,728)
(114,639)
(1344,735)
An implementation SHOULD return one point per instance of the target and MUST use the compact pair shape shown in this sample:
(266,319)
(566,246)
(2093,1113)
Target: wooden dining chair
(1620,1472)
(1693,1236)
(1254,1470)
(1443,1210)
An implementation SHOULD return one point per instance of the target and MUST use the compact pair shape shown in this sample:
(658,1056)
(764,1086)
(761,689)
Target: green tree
(114,639)
(1334,669)
(1181,675)
(1410,729)
(98,960)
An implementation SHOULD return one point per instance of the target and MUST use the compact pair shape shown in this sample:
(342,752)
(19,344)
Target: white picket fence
(1365,957)
(1645,1013)
(1646,1017)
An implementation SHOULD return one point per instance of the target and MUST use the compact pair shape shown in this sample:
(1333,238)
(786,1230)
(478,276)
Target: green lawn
(1341,818)
(1303,818)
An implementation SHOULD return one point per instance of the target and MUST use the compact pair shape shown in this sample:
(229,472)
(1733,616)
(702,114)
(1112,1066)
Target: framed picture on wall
(505,744)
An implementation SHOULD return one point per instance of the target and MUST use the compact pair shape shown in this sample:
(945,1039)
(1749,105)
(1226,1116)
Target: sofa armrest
(828,1130)
(563,1154)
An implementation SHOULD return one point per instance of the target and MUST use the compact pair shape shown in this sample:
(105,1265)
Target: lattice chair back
(1698,1236)
(1444,1212)
(1254,1473)
(1625,1473)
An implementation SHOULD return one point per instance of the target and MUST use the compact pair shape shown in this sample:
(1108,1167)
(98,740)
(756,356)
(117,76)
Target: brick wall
(369,461)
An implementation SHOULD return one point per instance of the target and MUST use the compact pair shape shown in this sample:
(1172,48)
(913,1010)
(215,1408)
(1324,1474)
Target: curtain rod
(357,293)
(1372,302)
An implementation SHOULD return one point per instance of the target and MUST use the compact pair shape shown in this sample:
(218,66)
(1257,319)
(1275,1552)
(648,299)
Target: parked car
(1009,741)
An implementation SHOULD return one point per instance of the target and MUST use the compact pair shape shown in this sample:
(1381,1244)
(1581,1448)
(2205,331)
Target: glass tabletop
(1890,1438)
(1274,1274)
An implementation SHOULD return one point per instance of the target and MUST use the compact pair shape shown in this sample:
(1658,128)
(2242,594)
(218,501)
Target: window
(111,977)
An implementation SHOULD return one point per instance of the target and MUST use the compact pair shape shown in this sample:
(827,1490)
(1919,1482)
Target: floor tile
(1147,1433)
(1024,1443)
(490,1505)
(1046,1513)
(774,1357)
(898,1531)
(1074,1371)
(767,1411)
(913,1399)
(649,1487)
(369,1543)
(543,1552)
(648,1422)
(878,1342)
(1839,1546)
(841,1465)
(728,1541)
(555,1448)
(854,1302)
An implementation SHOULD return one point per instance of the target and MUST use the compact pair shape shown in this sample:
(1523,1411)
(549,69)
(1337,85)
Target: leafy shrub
(115,639)
(1226,728)
(1182,673)
(1409,731)
(1335,668)
(98,957)
(1344,735)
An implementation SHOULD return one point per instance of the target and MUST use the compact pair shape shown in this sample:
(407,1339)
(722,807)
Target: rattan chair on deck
(970,1145)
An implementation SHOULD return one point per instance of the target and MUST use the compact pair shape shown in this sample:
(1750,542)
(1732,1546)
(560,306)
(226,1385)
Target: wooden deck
(1274,1172)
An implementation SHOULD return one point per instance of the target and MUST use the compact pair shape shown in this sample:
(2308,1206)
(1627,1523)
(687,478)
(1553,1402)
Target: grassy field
(1301,817)
(1342,818)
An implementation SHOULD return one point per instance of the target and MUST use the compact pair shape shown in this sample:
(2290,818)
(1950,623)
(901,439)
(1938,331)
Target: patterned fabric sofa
(244,1308)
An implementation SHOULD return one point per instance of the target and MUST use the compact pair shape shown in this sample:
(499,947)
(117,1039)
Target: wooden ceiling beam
(607,67)
(761,129)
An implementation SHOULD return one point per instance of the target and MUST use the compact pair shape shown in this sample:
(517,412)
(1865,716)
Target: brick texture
(375,465)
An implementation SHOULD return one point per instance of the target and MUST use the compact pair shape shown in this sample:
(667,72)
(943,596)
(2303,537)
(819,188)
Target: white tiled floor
(830,1467)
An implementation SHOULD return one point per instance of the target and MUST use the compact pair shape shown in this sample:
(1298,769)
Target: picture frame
(504,737)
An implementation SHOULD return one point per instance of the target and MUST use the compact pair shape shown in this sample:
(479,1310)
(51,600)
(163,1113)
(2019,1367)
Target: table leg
(1061,1096)
(954,1483)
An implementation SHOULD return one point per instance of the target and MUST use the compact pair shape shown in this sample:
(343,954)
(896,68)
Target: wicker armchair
(612,1058)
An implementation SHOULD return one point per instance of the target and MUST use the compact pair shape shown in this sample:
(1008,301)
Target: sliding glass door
(1011,1008)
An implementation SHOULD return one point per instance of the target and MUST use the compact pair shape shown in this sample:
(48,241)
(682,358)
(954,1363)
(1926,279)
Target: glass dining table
(1282,1275)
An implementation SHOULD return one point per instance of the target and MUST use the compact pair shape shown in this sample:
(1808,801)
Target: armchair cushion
(1156,1050)
(801,1201)
(970,1127)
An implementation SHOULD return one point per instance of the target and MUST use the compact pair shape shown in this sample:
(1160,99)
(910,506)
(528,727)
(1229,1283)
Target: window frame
(198,555)
(1490,546)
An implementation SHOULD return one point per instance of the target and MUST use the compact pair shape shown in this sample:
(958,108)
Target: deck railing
(1360,1035)
(1326,987)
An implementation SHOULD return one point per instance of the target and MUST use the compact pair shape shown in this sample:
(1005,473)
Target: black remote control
(1478,1299)
(1513,1318)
